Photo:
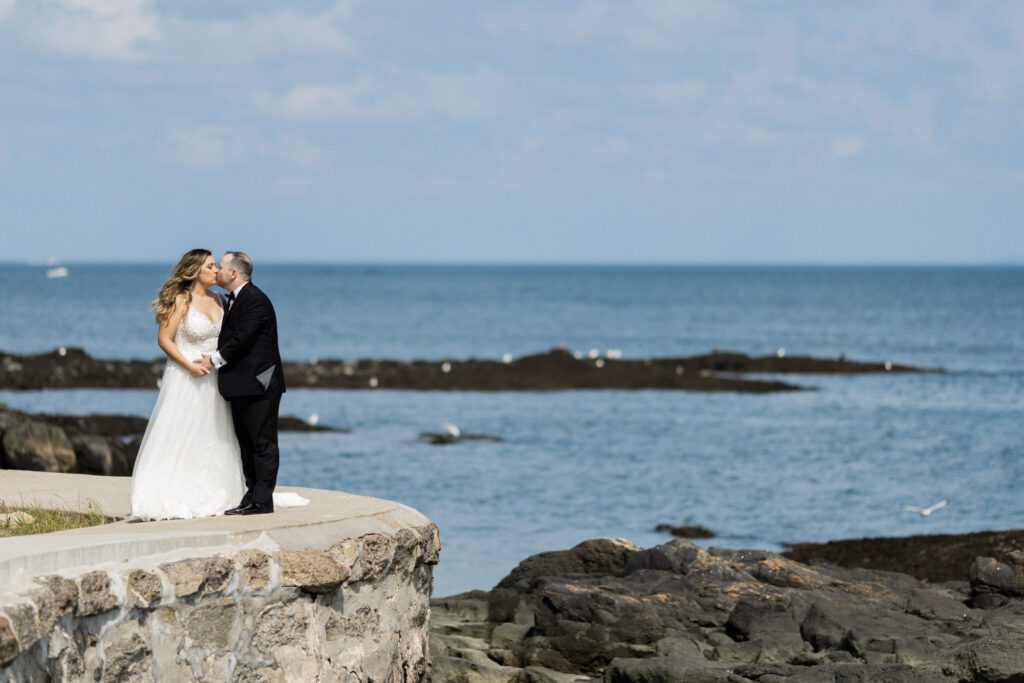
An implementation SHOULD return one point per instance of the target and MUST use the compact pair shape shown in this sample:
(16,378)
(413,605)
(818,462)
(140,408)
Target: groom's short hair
(241,262)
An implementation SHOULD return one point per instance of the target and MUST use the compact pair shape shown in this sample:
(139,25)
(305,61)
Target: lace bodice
(197,335)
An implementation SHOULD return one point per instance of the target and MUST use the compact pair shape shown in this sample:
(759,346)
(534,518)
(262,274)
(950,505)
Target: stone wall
(357,611)
(343,600)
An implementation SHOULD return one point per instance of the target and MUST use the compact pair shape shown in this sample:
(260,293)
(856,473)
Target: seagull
(507,358)
(925,512)
(455,432)
(313,420)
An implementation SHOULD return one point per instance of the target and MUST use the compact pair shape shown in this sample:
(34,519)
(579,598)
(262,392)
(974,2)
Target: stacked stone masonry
(356,611)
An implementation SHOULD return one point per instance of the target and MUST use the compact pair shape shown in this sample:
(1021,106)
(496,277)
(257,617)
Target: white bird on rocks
(925,512)
(446,367)
(313,420)
(577,355)
(507,358)
(780,352)
(614,354)
(594,353)
(599,363)
(455,432)
(374,383)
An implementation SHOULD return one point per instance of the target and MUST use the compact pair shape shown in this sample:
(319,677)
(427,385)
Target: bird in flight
(924,512)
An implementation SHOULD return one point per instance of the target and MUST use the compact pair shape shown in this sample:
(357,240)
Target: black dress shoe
(237,509)
(256,509)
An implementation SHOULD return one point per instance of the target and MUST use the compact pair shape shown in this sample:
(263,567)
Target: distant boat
(59,271)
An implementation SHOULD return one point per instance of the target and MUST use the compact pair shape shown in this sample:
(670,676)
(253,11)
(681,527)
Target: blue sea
(760,470)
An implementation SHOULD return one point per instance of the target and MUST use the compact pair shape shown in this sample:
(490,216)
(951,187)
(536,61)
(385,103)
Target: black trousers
(255,419)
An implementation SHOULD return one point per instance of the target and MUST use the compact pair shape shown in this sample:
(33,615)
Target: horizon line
(51,263)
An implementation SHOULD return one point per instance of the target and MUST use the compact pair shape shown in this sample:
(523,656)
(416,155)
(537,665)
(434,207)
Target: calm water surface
(838,462)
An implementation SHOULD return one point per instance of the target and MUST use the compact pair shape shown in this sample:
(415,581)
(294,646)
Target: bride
(189,463)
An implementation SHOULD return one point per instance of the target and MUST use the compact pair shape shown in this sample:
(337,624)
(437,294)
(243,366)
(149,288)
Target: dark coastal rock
(676,612)
(287,423)
(552,370)
(86,444)
(988,575)
(27,444)
(93,454)
(685,531)
(446,438)
(938,557)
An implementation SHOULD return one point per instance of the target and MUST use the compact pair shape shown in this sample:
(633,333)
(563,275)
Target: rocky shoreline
(557,369)
(608,610)
(85,444)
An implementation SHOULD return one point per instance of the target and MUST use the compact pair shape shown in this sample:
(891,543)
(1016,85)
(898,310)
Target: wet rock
(685,531)
(93,454)
(602,556)
(678,556)
(446,438)
(994,659)
(665,670)
(989,575)
(288,423)
(934,557)
(937,604)
(31,445)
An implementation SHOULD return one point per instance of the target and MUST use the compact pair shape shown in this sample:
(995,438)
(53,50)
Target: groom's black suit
(252,380)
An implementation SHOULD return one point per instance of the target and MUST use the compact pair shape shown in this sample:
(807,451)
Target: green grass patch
(46,520)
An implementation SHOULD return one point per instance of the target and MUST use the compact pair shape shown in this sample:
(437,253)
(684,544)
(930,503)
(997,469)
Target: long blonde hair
(180,282)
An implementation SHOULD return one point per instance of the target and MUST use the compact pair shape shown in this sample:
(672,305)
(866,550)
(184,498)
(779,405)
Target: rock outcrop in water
(608,610)
(553,370)
(84,444)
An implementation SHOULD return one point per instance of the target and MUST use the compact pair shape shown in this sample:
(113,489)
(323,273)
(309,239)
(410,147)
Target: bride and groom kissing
(210,446)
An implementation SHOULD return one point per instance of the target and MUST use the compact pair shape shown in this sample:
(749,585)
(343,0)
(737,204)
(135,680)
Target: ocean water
(760,470)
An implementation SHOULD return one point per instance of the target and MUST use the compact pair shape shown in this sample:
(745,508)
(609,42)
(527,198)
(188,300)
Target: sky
(657,131)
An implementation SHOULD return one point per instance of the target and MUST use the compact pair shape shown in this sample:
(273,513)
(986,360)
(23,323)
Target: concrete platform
(330,516)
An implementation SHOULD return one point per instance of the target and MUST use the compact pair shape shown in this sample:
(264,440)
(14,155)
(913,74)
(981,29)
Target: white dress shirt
(218,360)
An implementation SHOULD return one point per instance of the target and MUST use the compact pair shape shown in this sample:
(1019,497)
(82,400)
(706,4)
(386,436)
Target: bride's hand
(197,369)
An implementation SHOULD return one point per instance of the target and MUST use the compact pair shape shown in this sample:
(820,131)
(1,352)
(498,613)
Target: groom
(251,378)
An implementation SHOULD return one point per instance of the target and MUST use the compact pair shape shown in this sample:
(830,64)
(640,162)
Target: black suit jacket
(248,345)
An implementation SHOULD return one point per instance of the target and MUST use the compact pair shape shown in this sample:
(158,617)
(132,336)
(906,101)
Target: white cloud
(137,30)
(261,36)
(647,25)
(114,30)
(206,146)
(394,96)
(296,151)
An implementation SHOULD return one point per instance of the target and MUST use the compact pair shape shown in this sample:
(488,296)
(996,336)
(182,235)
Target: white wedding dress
(189,462)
